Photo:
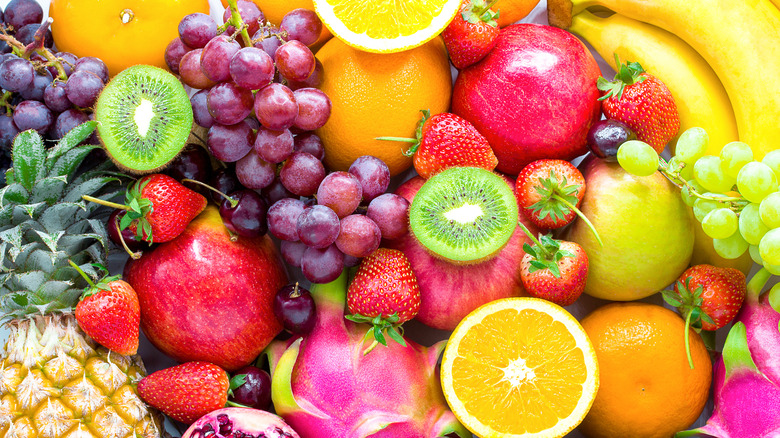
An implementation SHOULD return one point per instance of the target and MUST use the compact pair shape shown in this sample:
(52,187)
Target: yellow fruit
(376,95)
(647,389)
(513,10)
(386,26)
(519,367)
(275,10)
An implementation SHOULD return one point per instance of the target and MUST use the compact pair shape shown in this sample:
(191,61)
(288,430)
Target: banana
(700,97)
(739,39)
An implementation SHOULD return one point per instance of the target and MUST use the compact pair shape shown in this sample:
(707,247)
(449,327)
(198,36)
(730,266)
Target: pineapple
(54,380)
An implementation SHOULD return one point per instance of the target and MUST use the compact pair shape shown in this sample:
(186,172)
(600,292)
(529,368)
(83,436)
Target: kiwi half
(144,118)
(464,214)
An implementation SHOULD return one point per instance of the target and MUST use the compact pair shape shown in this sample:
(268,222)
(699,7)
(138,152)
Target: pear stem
(83,274)
(106,203)
(233,202)
(581,215)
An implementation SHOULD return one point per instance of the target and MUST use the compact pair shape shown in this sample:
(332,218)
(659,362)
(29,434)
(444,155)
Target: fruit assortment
(257,170)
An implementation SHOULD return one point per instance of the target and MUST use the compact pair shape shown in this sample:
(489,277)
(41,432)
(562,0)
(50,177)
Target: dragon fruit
(240,423)
(747,376)
(324,386)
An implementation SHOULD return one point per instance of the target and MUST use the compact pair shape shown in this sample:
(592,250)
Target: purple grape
(313,109)
(229,104)
(66,121)
(94,65)
(129,237)
(174,52)
(275,107)
(251,68)
(359,236)
(7,131)
(191,73)
(68,62)
(341,191)
(302,174)
(200,109)
(292,252)
(36,89)
(311,143)
(17,74)
(83,88)
(192,163)
(31,114)
(56,98)
(248,217)
(26,35)
(373,174)
(351,262)
(276,191)
(294,60)
(254,172)
(255,392)
(225,181)
(606,136)
(322,265)
(250,14)
(318,226)
(274,146)
(267,40)
(215,56)
(19,13)
(294,307)
(283,218)
(196,30)
(302,25)
(230,143)
(313,81)
(391,214)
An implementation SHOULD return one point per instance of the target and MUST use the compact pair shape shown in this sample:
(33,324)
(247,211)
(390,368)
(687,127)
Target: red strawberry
(384,292)
(554,270)
(110,314)
(472,33)
(548,192)
(186,392)
(642,102)
(708,297)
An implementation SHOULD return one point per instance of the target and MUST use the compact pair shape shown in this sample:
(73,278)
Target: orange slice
(385,26)
(519,367)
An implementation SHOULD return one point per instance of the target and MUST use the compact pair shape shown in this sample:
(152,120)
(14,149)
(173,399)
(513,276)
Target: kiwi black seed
(144,118)
(464,214)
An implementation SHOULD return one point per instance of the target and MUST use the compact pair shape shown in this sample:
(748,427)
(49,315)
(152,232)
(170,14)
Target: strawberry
(186,392)
(109,313)
(384,293)
(549,191)
(708,297)
(472,34)
(642,102)
(554,270)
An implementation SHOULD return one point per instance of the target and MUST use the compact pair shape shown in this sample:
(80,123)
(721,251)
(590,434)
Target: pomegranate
(240,423)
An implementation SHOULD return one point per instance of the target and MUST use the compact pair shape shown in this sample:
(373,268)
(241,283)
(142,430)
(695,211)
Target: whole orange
(513,10)
(647,388)
(380,95)
(120,32)
(275,10)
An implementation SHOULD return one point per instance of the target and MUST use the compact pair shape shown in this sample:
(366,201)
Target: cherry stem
(233,202)
(687,344)
(238,23)
(133,255)
(106,203)
(581,215)
(83,274)
(296,291)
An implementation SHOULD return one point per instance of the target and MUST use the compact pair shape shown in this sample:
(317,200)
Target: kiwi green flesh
(144,118)
(464,214)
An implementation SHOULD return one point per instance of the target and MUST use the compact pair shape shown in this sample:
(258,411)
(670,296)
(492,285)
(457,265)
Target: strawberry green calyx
(381,326)
(629,73)
(94,287)
(689,304)
(138,208)
(418,135)
(479,10)
(546,252)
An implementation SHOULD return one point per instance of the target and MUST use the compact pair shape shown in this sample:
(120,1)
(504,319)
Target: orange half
(519,367)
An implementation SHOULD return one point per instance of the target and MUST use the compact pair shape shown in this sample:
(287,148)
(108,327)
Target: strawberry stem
(532,237)
(687,343)
(106,203)
(582,216)
(487,7)
(83,274)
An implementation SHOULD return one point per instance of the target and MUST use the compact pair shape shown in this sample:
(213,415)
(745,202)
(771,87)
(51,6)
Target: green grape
(731,247)
(773,269)
(774,297)
(709,174)
(733,156)
(754,254)
(750,225)
(691,145)
(770,210)
(720,223)
(769,247)
(772,160)
(687,197)
(756,181)
(637,158)
(703,206)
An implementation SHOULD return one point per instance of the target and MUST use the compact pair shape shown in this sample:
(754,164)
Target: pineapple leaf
(31,280)
(6,214)
(31,210)
(51,239)
(14,193)
(40,260)
(70,160)
(20,299)
(100,229)
(72,139)
(49,189)
(29,157)
(13,236)
(90,186)
(57,216)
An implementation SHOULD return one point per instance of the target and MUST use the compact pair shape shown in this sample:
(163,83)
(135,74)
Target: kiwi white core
(143,116)
(464,214)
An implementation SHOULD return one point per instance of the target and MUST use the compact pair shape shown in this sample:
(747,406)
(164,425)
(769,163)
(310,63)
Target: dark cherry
(294,308)
(225,181)
(113,232)
(192,163)
(606,136)
(248,217)
(255,392)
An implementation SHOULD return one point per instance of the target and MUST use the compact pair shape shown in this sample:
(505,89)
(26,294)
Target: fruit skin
(111,317)
(392,391)
(525,112)
(763,336)
(562,289)
(449,292)
(89,28)
(510,11)
(704,253)
(384,285)
(470,35)
(698,93)
(186,392)
(275,10)
(646,387)
(530,190)
(723,291)
(202,280)
(651,232)
(376,95)
(250,421)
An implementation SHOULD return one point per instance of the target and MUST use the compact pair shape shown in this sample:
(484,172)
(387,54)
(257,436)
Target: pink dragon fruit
(324,386)
(240,423)
(747,376)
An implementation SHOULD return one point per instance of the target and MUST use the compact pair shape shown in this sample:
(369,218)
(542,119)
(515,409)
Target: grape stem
(680,182)
(238,23)
(36,47)
(5,100)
